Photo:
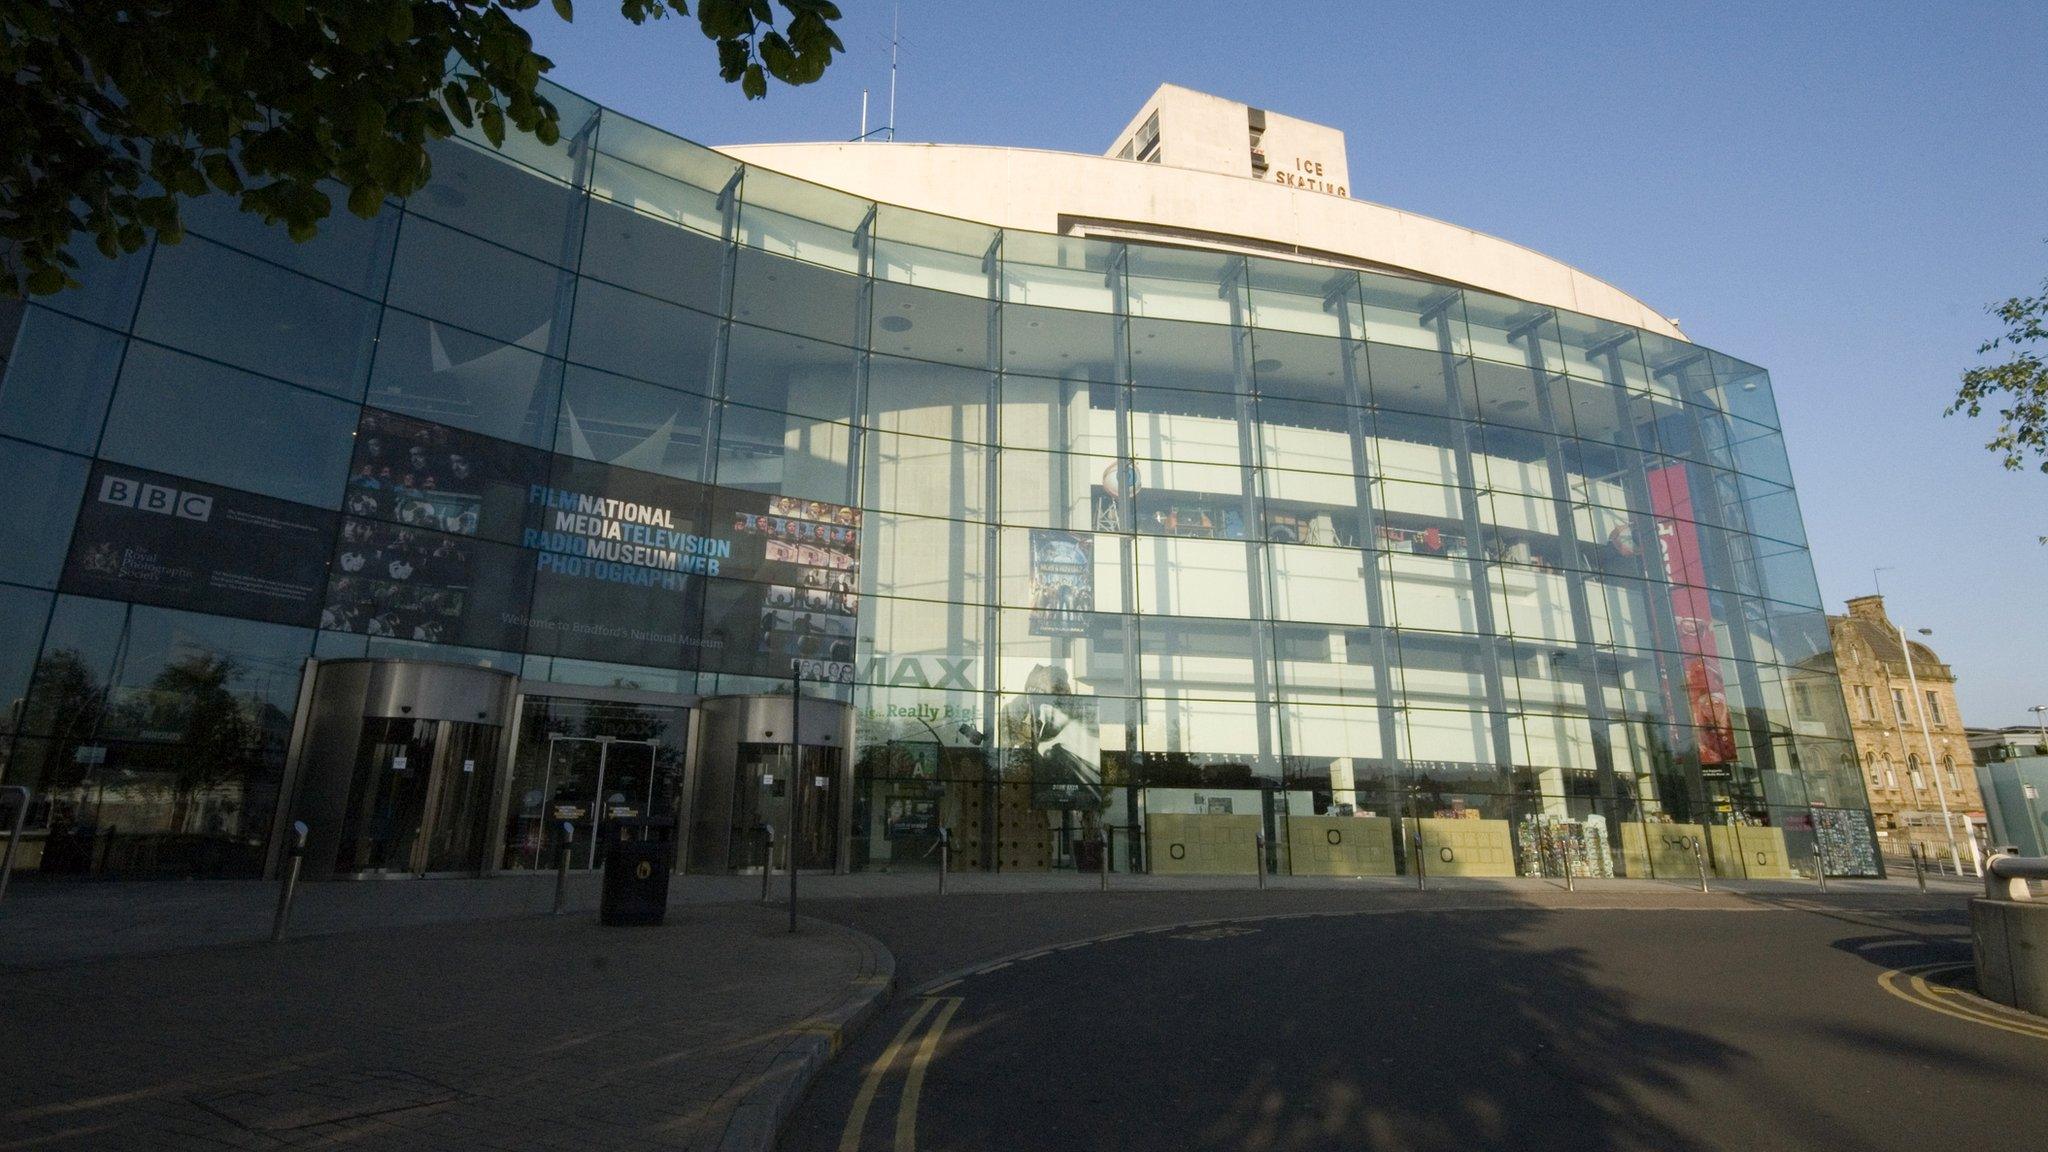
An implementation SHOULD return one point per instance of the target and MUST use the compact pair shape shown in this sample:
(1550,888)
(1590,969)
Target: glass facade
(1178,548)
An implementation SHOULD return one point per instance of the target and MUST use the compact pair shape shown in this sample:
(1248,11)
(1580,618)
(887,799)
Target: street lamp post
(1948,827)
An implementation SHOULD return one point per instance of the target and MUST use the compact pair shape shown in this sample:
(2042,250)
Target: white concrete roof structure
(1072,194)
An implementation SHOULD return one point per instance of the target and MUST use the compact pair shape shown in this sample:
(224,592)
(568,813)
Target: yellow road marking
(1955,1003)
(913,1084)
(849,1141)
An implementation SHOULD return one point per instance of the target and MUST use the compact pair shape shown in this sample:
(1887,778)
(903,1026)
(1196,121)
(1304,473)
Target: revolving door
(397,767)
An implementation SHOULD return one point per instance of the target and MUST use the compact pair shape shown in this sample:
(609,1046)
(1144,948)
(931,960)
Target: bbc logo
(155,498)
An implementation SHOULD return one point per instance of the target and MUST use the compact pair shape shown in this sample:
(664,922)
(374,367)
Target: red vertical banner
(1678,540)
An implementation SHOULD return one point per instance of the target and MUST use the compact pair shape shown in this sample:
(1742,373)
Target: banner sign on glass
(1055,735)
(610,563)
(1705,692)
(1062,582)
(157,539)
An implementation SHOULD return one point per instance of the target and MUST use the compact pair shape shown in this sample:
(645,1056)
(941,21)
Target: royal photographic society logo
(129,492)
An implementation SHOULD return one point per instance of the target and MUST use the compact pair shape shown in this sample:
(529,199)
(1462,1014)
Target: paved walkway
(538,1033)
(456,1015)
(47,923)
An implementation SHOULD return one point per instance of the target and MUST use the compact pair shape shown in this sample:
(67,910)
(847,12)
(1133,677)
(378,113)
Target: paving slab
(535,1033)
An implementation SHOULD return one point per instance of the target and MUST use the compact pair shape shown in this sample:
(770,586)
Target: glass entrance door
(420,798)
(761,795)
(388,795)
(457,820)
(817,843)
(760,780)
(591,779)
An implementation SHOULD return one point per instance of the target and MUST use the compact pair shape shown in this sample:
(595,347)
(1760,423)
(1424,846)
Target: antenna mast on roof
(895,38)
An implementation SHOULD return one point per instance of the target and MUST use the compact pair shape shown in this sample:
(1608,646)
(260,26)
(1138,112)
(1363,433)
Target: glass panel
(652,255)
(58,381)
(639,336)
(348,252)
(214,301)
(1309,437)
(938,252)
(1177,354)
(22,615)
(925,477)
(1200,427)
(37,529)
(631,424)
(792,296)
(657,173)
(1192,577)
(444,374)
(773,370)
(183,721)
(788,455)
(792,217)
(1061,343)
(107,288)
(922,399)
(483,194)
(169,411)
(1178,284)
(923,558)
(1059,415)
(1299,297)
(930,325)
(1058,272)
(1061,490)
(447,275)
(1322,584)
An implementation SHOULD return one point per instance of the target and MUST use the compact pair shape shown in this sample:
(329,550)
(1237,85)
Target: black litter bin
(638,853)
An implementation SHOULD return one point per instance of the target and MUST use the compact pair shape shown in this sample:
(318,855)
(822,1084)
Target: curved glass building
(1213,518)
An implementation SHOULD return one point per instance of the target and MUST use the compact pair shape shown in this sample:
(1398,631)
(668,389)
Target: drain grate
(293,1101)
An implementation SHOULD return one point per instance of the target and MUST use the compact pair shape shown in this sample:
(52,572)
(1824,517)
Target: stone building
(1884,714)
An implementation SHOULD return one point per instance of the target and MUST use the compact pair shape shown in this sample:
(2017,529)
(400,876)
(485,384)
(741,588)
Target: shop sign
(937,672)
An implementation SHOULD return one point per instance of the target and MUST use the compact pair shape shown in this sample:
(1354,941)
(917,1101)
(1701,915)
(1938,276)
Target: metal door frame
(430,807)
(604,752)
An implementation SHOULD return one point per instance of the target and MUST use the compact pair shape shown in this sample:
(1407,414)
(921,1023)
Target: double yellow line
(1914,987)
(913,1081)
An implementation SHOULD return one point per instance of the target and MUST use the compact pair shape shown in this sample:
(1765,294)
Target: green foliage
(112,113)
(2019,382)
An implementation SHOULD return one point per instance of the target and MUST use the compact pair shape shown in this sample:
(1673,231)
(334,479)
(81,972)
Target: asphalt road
(1672,1030)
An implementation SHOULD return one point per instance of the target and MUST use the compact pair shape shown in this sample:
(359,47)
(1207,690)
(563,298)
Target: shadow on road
(1432,1031)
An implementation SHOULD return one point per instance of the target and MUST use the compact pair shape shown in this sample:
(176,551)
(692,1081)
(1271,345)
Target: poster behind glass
(1062,582)
(1054,737)
(156,539)
(1705,691)
(611,563)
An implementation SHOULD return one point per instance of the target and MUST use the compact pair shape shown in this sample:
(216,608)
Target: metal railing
(21,798)
(2006,876)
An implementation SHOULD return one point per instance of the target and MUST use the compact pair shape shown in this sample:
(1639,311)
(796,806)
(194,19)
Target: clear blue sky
(1832,190)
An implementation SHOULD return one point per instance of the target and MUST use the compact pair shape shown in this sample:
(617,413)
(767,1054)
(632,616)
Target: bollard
(1421,874)
(562,868)
(1820,861)
(767,859)
(1699,857)
(296,857)
(21,798)
(1103,835)
(1919,868)
(1259,844)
